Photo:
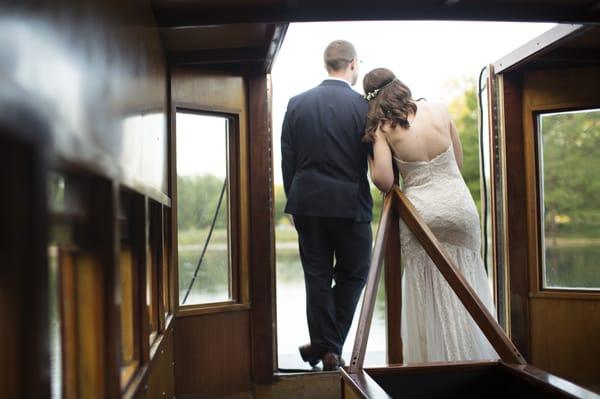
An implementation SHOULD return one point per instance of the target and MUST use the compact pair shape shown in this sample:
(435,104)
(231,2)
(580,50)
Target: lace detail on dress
(435,325)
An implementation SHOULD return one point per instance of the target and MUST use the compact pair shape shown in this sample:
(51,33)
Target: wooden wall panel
(212,355)
(94,74)
(161,379)
(565,339)
(24,322)
(565,325)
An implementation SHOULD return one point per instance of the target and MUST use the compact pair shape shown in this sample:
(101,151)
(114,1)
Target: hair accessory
(372,94)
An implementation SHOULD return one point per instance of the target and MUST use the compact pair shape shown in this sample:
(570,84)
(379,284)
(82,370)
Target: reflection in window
(203,209)
(570,188)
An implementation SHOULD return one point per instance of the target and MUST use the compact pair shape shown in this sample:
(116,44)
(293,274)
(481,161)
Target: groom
(324,167)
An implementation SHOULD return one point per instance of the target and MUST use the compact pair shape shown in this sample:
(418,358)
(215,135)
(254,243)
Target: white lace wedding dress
(435,325)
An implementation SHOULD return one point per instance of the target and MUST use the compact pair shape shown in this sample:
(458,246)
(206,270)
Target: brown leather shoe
(331,362)
(309,354)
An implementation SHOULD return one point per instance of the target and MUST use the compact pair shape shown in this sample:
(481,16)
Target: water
(573,266)
(212,281)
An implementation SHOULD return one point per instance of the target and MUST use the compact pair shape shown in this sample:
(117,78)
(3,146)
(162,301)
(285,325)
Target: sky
(430,57)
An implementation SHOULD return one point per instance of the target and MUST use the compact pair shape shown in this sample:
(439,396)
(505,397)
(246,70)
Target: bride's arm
(382,171)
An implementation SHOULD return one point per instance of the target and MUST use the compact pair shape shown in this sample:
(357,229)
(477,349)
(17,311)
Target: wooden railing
(396,206)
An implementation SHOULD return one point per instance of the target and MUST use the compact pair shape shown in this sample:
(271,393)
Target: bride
(422,140)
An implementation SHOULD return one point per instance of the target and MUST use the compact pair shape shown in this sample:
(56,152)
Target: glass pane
(203,209)
(570,187)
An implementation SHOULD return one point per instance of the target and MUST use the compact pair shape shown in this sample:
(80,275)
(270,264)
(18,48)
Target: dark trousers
(329,310)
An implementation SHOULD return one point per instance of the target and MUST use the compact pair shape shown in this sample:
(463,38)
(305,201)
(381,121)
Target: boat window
(569,191)
(203,208)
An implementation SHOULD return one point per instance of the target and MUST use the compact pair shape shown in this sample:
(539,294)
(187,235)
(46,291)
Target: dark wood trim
(362,385)
(516,210)
(393,291)
(482,317)
(235,204)
(537,47)
(573,56)
(196,15)
(218,56)
(212,308)
(139,383)
(204,110)
(400,369)
(24,362)
(277,35)
(550,383)
(262,251)
(496,267)
(368,305)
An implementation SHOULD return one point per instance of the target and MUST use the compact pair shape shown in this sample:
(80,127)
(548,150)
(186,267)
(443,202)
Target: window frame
(235,202)
(538,281)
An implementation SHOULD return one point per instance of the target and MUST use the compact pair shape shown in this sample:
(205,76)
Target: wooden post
(262,255)
(366,311)
(393,290)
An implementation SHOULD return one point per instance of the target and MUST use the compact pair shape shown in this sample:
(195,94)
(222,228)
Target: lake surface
(567,266)
(573,266)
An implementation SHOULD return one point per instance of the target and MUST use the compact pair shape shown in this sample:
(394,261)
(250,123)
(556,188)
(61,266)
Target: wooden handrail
(482,317)
(366,310)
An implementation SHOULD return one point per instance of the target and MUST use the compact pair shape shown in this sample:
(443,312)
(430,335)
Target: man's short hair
(338,55)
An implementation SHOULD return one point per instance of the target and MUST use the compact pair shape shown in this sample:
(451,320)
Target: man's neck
(340,78)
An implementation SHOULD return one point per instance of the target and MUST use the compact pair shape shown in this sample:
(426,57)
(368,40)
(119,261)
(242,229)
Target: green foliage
(197,199)
(465,113)
(571,173)
(279,194)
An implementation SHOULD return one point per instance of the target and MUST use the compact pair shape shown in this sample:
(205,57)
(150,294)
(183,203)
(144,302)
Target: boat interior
(92,300)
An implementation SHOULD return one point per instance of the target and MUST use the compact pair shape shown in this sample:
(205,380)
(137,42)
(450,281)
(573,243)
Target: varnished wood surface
(262,230)
(393,291)
(368,305)
(564,339)
(212,355)
(23,276)
(459,379)
(516,210)
(564,324)
(100,92)
(486,322)
(552,386)
(360,385)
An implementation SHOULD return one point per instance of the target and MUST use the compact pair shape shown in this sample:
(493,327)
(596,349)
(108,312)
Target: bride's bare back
(430,133)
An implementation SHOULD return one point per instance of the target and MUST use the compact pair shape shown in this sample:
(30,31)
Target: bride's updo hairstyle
(390,102)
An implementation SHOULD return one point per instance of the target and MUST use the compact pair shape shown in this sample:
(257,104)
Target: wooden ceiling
(246,34)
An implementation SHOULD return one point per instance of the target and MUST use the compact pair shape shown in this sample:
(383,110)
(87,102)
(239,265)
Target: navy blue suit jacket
(324,161)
